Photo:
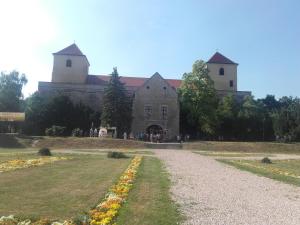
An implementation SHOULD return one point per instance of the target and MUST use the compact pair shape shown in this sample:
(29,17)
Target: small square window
(69,63)
(221,71)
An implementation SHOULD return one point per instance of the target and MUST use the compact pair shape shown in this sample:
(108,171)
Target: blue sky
(144,37)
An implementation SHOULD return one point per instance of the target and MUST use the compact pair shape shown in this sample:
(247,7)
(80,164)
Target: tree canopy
(44,111)
(11,85)
(198,100)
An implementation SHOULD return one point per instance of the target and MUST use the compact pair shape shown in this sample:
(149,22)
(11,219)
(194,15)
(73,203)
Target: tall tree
(199,100)
(251,119)
(286,120)
(11,86)
(117,105)
(227,111)
(43,111)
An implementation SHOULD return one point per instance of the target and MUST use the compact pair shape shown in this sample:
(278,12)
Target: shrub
(77,132)
(116,155)
(266,160)
(44,152)
(55,131)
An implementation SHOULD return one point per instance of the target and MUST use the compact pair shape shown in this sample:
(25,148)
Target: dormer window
(221,71)
(69,63)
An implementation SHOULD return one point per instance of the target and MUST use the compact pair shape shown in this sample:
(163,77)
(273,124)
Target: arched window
(221,71)
(69,63)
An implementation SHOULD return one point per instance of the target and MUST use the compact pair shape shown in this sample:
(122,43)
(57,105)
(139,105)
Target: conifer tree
(117,105)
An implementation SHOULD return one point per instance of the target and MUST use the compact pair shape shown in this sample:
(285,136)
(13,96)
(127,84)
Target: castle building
(155,101)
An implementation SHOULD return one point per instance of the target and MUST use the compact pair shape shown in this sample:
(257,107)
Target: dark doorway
(155,133)
(154,129)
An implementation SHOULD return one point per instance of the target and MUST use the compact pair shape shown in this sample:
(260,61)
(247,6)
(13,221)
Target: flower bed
(106,211)
(21,164)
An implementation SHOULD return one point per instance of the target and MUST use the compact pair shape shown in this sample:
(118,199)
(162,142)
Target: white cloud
(26,27)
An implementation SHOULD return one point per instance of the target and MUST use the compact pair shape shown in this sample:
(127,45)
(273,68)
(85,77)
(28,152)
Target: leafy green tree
(35,112)
(44,111)
(11,86)
(250,119)
(286,120)
(227,112)
(117,105)
(198,100)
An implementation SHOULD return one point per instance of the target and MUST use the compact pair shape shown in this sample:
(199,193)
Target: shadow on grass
(10,141)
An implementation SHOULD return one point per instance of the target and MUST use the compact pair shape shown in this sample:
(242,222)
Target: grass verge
(149,202)
(232,154)
(287,171)
(250,147)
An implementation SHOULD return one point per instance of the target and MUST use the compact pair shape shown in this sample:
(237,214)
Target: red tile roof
(128,81)
(219,58)
(70,50)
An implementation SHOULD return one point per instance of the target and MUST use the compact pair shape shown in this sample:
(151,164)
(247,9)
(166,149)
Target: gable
(156,87)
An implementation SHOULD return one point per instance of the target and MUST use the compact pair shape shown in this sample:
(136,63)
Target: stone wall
(90,95)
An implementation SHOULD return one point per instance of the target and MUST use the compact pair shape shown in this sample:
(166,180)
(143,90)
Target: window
(69,63)
(165,91)
(148,87)
(164,112)
(147,111)
(221,71)
(231,83)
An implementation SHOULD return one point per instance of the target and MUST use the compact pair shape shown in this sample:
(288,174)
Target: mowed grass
(61,190)
(249,147)
(149,201)
(287,171)
(232,154)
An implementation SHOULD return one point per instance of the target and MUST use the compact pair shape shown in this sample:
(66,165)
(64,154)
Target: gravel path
(210,192)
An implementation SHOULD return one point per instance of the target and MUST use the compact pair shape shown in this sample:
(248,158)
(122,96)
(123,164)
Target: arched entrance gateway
(154,129)
(155,133)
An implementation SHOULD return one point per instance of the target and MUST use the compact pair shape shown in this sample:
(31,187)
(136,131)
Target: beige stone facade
(78,66)
(156,108)
(224,76)
(155,101)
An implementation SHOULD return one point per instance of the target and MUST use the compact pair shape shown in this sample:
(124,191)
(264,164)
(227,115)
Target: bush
(77,132)
(266,160)
(116,155)
(44,152)
(55,131)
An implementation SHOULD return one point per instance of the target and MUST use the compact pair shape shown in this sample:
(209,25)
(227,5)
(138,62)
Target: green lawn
(287,171)
(61,190)
(232,154)
(249,147)
(149,201)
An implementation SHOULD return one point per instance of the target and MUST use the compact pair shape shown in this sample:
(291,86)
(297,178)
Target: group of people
(94,132)
(152,137)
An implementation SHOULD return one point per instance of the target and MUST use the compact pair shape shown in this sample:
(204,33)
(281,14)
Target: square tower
(70,66)
(223,72)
